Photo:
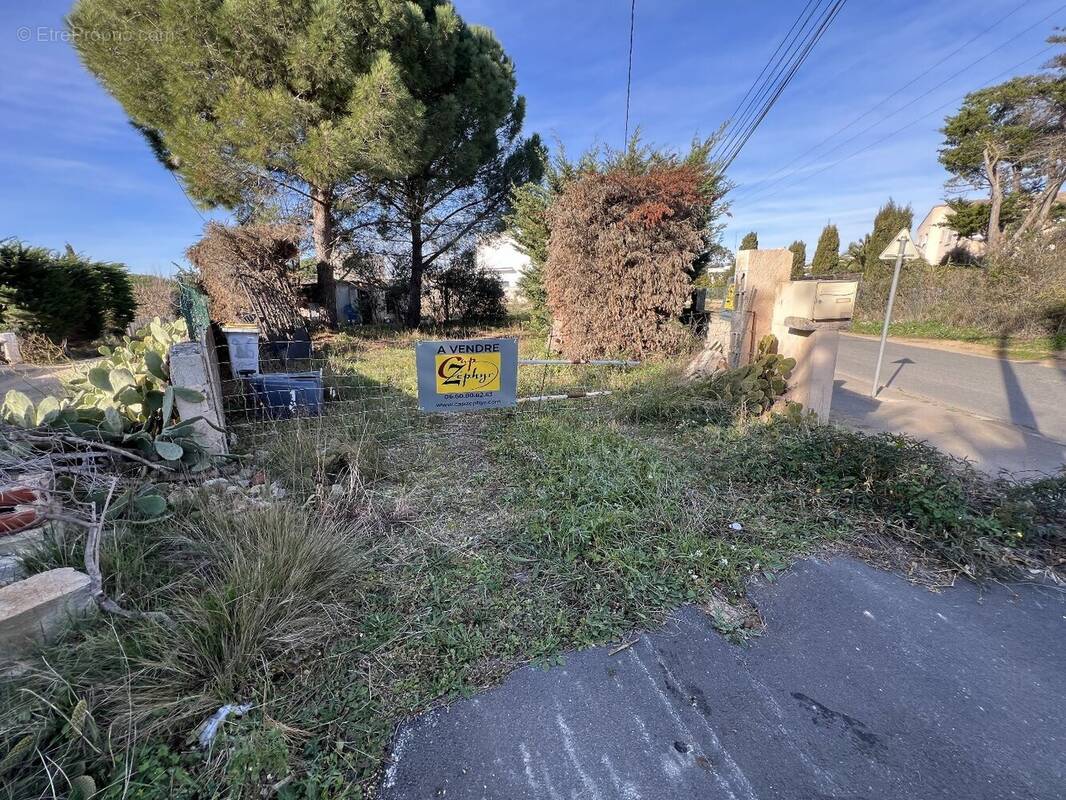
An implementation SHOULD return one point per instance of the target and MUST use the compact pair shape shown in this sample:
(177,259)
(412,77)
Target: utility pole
(905,251)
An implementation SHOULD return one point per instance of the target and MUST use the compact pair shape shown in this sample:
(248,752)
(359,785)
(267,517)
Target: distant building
(938,243)
(935,240)
(357,303)
(500,254)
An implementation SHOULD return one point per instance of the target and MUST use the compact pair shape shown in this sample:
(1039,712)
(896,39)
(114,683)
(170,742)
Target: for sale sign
(467,374)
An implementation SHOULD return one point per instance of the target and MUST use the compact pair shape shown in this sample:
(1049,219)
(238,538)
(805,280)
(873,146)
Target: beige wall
(935,239)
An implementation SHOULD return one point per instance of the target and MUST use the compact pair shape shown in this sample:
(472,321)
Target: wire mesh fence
(364,380)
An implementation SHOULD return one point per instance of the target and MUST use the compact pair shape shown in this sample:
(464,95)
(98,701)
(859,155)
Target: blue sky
(74,171)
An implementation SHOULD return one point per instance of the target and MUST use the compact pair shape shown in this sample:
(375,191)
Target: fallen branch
(71,438)
(92,566)
(624,646)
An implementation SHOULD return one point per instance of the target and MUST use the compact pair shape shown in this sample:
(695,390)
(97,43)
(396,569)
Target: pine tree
(827,254)
(891,219)
(469,152)
(750,241)
(252,101)
(799,259)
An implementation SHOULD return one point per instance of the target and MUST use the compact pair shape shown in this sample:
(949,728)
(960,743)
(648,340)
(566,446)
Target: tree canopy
(1009,140)
(467,154)
(890,219)
(252,100)
(750,241)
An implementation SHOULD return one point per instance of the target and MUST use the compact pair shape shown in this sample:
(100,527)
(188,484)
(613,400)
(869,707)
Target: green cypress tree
(799,259)
(891,219)
(750,241)
(827,254)
(64,296)
(259,99)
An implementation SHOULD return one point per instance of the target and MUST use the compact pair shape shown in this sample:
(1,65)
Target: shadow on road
(902,363)
(1021,413)
(994,447)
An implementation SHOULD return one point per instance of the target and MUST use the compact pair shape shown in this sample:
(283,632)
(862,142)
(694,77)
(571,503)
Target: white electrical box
(818,300)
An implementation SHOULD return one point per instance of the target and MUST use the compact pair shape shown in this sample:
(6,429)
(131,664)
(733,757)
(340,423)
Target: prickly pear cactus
(126,399)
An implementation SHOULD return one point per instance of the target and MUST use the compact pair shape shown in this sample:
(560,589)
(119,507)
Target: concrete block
(194,365)
(15,544)
(38,607)
(759,276)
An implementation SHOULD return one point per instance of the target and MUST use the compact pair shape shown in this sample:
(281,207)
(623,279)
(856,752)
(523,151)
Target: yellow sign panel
(730,297)
(457,374)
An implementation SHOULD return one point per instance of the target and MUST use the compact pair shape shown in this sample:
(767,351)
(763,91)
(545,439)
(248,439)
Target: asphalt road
(863,686)
(1027,394)
(1004,416)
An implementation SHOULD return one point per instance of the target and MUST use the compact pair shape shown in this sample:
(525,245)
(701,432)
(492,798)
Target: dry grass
(253,596)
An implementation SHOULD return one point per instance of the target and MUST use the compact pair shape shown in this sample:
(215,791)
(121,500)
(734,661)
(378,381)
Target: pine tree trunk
(322,233)
(414,296)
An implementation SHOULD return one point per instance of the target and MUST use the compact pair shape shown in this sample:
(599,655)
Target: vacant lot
(368,564)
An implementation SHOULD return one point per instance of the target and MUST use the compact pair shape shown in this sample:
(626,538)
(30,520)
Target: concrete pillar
(9,346)
(759,275)
(194,365)
(813,345)
(815,352)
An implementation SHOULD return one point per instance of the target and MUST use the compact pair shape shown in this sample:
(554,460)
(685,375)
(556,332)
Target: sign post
(467,374)
(901,249)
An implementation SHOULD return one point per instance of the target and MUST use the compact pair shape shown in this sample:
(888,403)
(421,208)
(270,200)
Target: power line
(918,119)
(629,73)
(827,21)
(738,119)
(782,67)
(907,85)
(191,203)
(736,111)
(788,173)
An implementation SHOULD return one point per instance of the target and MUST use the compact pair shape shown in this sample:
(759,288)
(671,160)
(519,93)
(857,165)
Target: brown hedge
(617,272)
(250,273)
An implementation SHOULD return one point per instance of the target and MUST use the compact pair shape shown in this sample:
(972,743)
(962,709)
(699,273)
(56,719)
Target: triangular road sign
(910,252)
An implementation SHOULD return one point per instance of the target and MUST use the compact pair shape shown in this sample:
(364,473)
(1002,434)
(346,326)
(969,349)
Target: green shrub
(462,291)
(719,398)
(1017,292)
(919,494)
(65,297)
(1035,512)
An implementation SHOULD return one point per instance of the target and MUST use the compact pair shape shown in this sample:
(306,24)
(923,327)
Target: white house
(935,240)
(500,254)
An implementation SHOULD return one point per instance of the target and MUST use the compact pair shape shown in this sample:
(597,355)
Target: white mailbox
(819,300)
(243,343)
